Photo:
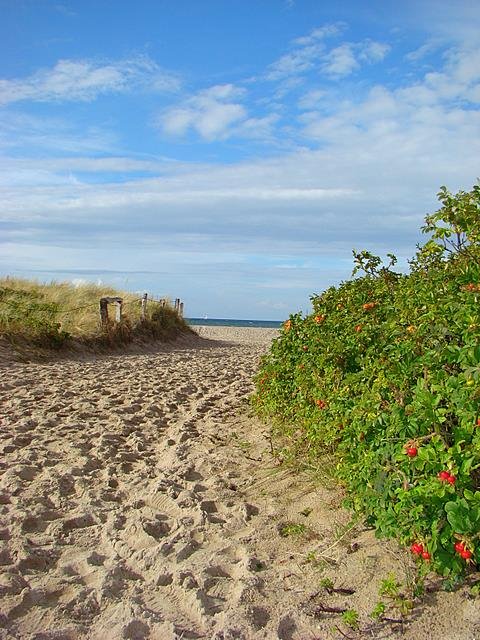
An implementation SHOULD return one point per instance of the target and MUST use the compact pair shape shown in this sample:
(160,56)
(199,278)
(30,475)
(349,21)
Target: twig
(346,592)
(343,634)
(323,608)
(330,590)
(395,620)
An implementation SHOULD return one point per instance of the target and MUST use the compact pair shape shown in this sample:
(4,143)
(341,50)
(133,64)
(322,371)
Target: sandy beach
(139,499)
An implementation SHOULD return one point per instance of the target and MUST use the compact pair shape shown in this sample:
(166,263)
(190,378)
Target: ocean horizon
(229,322)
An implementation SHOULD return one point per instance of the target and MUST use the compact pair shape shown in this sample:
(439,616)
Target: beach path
(139,499)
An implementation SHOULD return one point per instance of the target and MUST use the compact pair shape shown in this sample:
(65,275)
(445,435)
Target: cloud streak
(310,53)
(305,53)
(86,80)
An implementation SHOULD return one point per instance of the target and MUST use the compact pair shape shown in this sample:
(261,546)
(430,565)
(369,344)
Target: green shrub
(384,377)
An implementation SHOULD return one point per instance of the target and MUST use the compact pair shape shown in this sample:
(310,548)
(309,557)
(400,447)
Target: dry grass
(51,315)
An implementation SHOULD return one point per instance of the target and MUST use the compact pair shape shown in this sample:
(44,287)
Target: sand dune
(139,499)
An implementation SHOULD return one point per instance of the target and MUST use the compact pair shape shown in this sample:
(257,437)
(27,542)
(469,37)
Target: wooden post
(181,309)
(104,302)
(104,311)
(118,309)
(144,306)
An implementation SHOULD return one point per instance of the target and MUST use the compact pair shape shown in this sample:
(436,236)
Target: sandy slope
(138,499)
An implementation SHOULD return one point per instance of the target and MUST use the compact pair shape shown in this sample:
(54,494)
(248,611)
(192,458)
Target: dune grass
(57,314)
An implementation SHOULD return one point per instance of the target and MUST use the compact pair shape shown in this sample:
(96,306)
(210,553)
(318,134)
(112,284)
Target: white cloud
(24,132)
(423,51)
(214,120)
(305,54)
(296,62)
(310,53)
(344,59)
(258,128)
(284,87)
(84,80)
(459,79)
(464,65)
(340,61)
(177,121)
(220,92)
(312,99)
(28,171)
(418,128)
(211,113)
(321,33)
(373,51)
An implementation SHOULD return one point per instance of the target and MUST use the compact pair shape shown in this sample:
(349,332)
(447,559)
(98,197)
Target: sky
(231,153)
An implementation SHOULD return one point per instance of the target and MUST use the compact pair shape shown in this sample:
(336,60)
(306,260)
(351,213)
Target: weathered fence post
(118,309)
(104,311)
(118,302)
(144,306)
(181,309)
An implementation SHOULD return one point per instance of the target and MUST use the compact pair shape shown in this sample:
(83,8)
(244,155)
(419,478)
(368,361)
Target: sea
(228,322)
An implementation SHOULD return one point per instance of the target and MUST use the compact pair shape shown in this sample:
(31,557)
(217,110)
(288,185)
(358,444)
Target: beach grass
(56,314)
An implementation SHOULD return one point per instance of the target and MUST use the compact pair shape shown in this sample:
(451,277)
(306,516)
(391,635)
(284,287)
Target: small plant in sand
(396,597)
(378,611)
(292,529)
(350,618)
(311,558)
(328,585)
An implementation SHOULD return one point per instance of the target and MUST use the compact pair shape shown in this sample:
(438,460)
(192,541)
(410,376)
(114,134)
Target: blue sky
(229,152)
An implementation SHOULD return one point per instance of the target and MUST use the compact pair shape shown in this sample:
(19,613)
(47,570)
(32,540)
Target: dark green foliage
(388,362)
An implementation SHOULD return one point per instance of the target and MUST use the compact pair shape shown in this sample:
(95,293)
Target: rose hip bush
(383,379)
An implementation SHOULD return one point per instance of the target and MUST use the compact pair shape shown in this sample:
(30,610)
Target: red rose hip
(459,547)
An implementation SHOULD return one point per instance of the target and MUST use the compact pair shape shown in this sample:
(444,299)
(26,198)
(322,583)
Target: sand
(139,499)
